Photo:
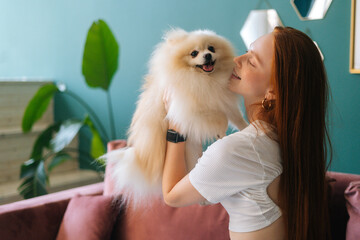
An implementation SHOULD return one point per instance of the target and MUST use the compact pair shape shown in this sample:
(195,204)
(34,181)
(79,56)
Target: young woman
(270,177)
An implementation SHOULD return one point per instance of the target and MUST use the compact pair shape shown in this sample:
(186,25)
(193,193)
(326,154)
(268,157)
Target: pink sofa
(85,213)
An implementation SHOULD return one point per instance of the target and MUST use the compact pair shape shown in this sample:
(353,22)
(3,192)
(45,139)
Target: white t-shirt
(236,171)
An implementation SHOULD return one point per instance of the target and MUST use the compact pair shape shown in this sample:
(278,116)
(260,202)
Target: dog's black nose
(208,57)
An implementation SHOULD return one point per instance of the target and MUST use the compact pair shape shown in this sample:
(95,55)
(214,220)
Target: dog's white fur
(201,106)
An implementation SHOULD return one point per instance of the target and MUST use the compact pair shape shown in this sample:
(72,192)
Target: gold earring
(267,105)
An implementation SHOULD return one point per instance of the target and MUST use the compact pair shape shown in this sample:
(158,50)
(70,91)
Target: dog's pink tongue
(208,68)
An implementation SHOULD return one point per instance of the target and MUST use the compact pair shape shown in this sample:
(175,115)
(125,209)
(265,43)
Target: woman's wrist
(174,136)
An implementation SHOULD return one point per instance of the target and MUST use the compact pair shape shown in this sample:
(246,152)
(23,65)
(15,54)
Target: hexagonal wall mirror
(321,54)
(311,9)
(258,23)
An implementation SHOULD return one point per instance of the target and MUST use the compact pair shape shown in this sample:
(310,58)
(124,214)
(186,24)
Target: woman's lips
(234,75)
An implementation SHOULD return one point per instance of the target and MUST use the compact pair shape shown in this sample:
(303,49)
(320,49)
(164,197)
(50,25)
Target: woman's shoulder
(250,139)
(235,140)
(232,146)
(254,139)
(257,129)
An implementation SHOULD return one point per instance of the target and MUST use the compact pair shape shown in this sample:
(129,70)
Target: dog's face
(200,51)
(203,58)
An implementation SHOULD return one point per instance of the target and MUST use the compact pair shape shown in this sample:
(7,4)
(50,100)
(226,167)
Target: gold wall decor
(355,38)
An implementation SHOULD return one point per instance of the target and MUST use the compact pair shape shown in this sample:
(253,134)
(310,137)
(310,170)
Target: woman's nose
(237,61)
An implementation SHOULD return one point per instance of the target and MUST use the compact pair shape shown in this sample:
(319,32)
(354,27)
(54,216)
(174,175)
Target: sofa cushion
(352,195)
(31,221)
(157,221)
(88,217)
(338,213)
(109,182)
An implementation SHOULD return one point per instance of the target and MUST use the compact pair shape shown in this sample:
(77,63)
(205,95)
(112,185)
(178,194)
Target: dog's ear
(205,31)
(175,35)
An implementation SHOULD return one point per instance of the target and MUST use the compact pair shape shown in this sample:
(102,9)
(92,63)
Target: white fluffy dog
(194,68)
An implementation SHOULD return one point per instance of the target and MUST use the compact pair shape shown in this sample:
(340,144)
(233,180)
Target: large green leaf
(38,105)
(28,168)
(66,134)
(43,140)
(26,188)
(97,146)
(60,158)
(101,53)
(35,185)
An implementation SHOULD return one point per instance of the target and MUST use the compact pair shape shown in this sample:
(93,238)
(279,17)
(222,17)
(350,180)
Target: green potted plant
(100,62)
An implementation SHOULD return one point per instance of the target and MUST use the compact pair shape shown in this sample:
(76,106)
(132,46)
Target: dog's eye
(211,49)
(194,53)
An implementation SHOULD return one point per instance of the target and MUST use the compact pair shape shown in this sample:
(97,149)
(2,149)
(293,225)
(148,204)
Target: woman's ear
(270,94)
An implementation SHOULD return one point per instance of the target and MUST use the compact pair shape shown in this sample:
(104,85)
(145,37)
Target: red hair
(299,119)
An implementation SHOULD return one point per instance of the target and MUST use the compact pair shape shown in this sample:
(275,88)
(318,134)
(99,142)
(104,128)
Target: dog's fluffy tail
(127,178)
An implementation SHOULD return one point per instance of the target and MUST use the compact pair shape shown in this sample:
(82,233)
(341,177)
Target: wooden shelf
(58,182)
(15,147)
(14,98)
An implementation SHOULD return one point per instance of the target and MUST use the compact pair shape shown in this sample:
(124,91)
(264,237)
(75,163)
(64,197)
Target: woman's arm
(176,186)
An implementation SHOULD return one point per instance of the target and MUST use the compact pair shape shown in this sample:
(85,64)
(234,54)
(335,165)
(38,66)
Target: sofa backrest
(161,222)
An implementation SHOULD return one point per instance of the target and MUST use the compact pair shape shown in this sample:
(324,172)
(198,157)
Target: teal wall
(45,39)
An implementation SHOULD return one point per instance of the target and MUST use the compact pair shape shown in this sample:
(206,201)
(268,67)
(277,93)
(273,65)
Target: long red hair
(299,119)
